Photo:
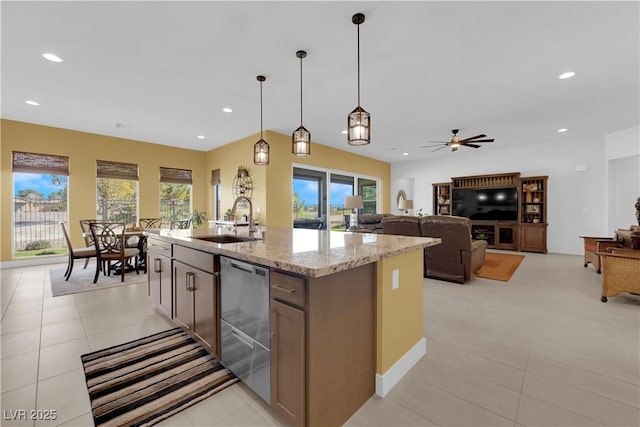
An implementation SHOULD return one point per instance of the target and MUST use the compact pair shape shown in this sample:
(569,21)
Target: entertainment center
(506,210)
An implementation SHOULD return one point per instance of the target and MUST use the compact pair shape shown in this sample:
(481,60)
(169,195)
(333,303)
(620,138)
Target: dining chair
(88,237)
(180,224)
(74,254)
(111,246)
(150,222)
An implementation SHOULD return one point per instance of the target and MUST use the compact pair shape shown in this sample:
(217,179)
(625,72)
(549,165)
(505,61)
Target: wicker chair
(74,254)
(595,245)
(150,223)
(111,244)
(180,224)
(621,269)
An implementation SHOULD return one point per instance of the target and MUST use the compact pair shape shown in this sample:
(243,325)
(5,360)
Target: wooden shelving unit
(528,233)
(442,198)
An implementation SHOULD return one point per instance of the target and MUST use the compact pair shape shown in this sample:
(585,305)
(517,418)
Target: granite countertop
(312,253)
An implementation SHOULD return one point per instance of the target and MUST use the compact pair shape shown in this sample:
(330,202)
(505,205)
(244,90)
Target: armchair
(458,257)
(593,246)
(401,225)
(621,269)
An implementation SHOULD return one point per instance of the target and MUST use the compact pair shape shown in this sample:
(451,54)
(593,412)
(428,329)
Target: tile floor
(541,350)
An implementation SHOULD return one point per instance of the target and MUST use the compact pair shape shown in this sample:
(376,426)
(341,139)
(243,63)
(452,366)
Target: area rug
(148,380)
(499,266)
(81,280)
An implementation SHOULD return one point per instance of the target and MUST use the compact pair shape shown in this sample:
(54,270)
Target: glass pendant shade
(261,153)
(301,142)
(358,127)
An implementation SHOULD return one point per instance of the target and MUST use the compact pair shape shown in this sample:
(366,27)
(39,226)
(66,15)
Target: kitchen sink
(226,238)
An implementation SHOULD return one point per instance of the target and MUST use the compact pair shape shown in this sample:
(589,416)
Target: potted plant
(227,215)
(198,218)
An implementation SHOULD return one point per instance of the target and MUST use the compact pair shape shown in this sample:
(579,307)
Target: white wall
(577,186)
(622,150)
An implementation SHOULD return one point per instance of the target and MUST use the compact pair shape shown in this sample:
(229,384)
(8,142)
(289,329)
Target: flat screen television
(486,204)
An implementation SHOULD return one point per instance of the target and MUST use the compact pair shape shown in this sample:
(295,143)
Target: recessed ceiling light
(227,110)
(405,154)
(344,132)
(563,130)
(200,136)
(566,75)
(30,102)
(52,57)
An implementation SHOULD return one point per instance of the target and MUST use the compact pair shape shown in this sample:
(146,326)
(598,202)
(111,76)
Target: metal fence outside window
(37,220)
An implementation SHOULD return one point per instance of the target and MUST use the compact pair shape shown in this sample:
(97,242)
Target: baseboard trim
(34,261)
(388,380)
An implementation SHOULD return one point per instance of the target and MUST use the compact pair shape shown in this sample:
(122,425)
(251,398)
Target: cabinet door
(533,238)
(159,276)
(288,362)
(205,309)
(182,296)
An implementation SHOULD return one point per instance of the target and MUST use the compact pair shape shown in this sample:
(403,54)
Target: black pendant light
(261,148)
(358,122)
(301,138)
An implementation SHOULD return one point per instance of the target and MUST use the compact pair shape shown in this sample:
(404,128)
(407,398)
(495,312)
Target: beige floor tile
(109,338)
(212,411)
(66,393)
(57,302)
(151,324)
(103,322)
(17,404)
(486,394)
(59,314)
(178,420)
(85,420)
(584,403)
(19,370)
(19,323)
(61,332)
(384,413)
(441,407)
(22,296)
(246,416)
(20,342)
(622,391)
(60,358)
(20,308)
(482,367)
(535,412)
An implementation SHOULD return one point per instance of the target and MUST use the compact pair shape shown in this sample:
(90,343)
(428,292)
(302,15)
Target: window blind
(117,170)
(215,176)
(175,176)
(40,163)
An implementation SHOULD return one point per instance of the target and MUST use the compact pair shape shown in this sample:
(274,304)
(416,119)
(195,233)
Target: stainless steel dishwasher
(244,324)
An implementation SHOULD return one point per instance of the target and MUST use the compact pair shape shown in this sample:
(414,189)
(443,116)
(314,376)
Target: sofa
(370,223)
(457,258)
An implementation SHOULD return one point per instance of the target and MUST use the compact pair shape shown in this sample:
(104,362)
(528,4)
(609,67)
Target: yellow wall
(83,149)
(401,326)
(273,184)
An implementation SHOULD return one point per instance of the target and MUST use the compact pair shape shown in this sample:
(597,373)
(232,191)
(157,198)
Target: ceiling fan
(457,142)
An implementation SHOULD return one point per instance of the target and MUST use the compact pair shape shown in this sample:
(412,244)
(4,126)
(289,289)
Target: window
(40,183)
(308,193)
(341,187)
(117,191)
(368,189)
(217,193)
(175,194)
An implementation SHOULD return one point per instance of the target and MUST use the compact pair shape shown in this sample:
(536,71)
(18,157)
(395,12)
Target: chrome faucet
(252,228)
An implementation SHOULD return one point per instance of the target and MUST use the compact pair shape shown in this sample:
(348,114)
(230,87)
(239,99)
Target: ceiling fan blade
(471,145)
(482,135)
(483,140)
(438,148)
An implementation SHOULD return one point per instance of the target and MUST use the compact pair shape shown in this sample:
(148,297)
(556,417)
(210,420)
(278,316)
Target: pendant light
(261,148)
(358,122)
(301,138)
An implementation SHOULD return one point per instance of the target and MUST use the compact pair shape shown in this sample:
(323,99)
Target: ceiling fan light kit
(456,142)
(359,121)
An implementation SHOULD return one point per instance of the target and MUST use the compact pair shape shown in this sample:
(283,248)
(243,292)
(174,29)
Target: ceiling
(162,71)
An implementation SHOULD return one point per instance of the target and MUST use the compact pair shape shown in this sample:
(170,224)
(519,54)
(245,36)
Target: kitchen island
(345,309)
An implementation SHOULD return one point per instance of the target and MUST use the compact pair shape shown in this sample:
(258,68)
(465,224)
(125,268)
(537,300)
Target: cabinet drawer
(194,258)
(159,246)
(288,288)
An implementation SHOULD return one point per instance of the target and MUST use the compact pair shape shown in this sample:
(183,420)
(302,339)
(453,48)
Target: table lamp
(354,203)
(405,205)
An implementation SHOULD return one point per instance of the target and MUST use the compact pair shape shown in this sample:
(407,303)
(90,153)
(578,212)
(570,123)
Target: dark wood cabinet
(441,192)
(288,362)
(196,295)
(159,275)
(533,237)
